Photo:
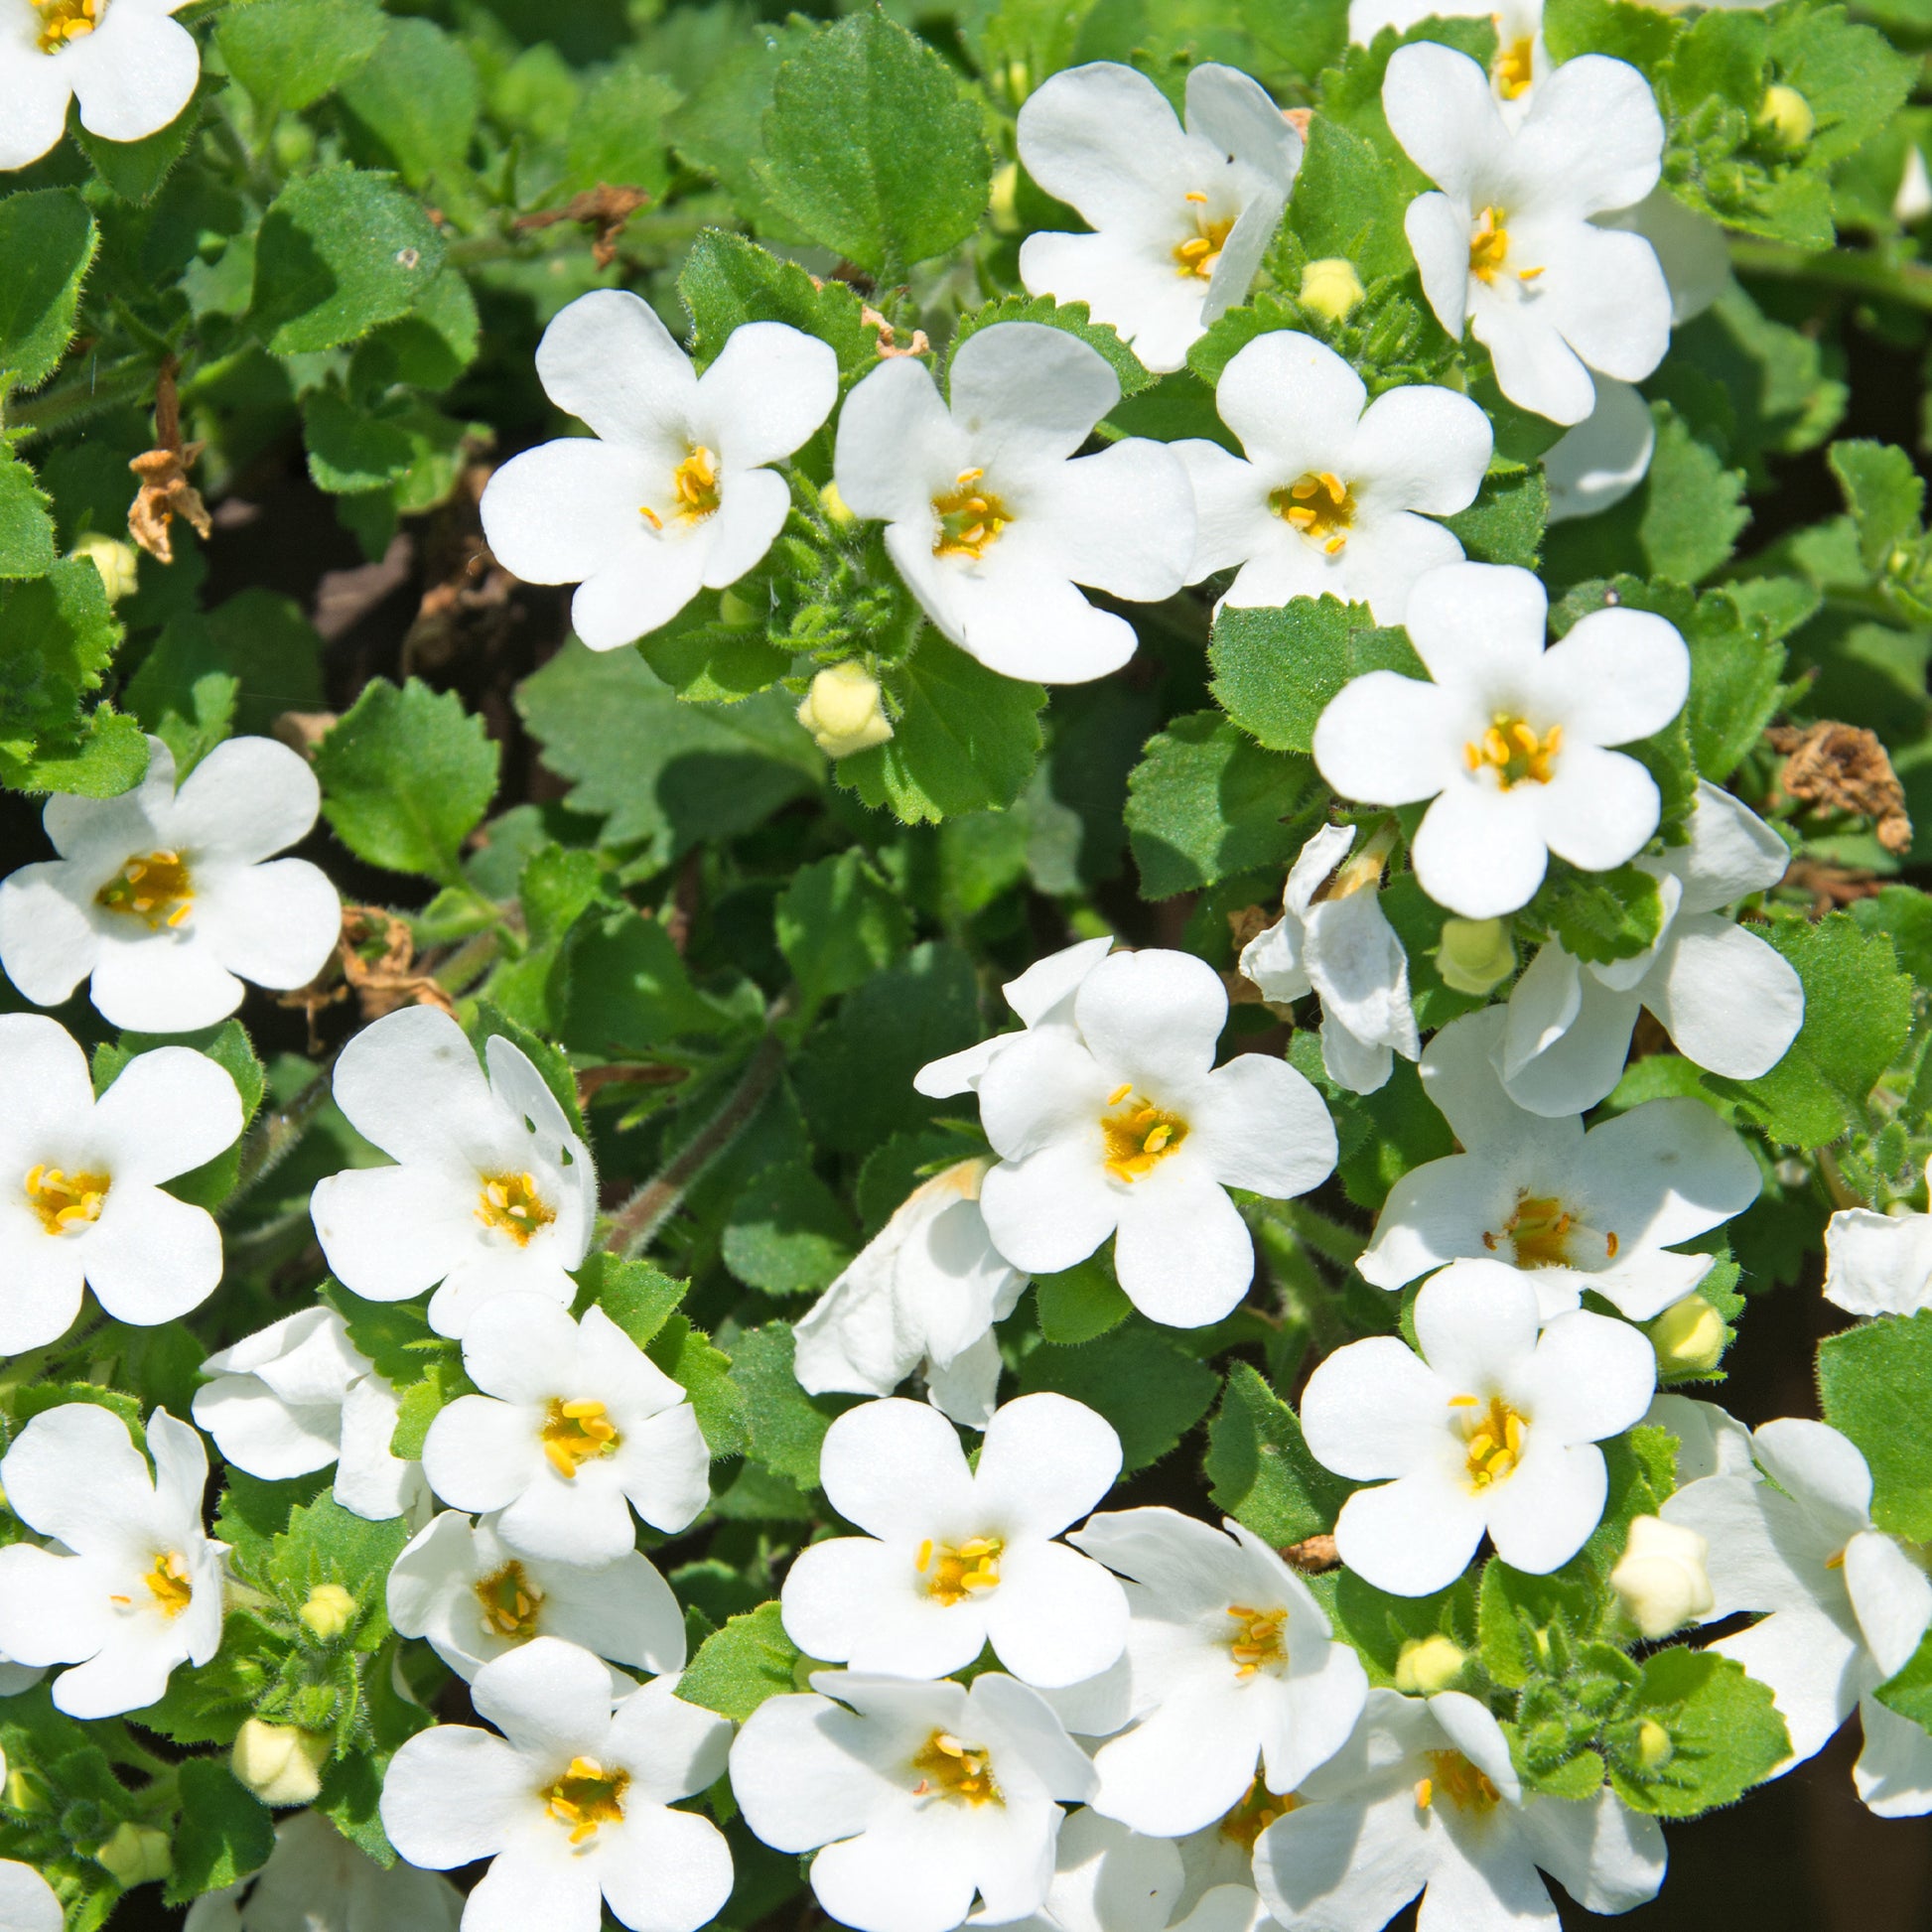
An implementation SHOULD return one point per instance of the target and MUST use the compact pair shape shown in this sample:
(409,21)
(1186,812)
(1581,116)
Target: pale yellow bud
(1006,184)
(1331,286)
(1787,114)
(842,711)
(136,1855)
(1475,954)
(1427,1665)
(330,1610)
(736,610)
(1654,1748)
(118,563)
(279,1763)
(835,506)
(1688,1336)
(1660,1579)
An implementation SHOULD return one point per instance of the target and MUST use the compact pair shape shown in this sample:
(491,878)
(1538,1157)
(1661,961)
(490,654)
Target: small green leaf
(1602,915)
(687,1356)
(739,1667)
(1275,671)
(838,923)
(1876,1381)
(1910,1689)
(47,240)
(419,96)
(225,1833)
(638,1298)
(25,530)
(352,449)
(1504,525)
(1149,1389)
(1070,317)
(1724,1732)
(1735,670)
(288,54)
(1081,1302)
(787,1233)
(1259,1469)
(327,1543)
(1884,493)
(786,1425)
(728,279)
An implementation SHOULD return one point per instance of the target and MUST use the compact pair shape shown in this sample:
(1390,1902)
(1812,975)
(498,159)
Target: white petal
(1103,139)
(1732,852)
(1343,1865)
(1618,674)
(1600,809)
(1534,366)
(258,1433)
(390,1233)
(647,586)
(669,1871)
(1728,1001)
(1153,1016)
(855,1601)
(1050,1209)
(454,1794)
(1122,521)
(1436,1213)
(132,75)
(1294,403)
(1814,1671)
(1605,1855)
(47,944)
(564,510)
(274,924)
(1264,1128)
(895,443)
(672,1480)
(33,97)
(1665,1172)
(801,1773)
(1423,449)
(1027,395)
(895,1467)
(1877,1263)
(1577,1067)
(1437,230)
(1894,1774)
(411,1085)
(1184,1255)
(770,387)
(608,360)
(480,1454)
(1440,107)
(1477,1324)
(672,1749)
(168,1111)
(248,799)
(1604,457)
(1046,1461)
(1186,1765)
(1891,1596)
(1056,1618)
(165,982)
(751,511)
(1373,1408)
(28,1903)
(1413,1535)
(151,1258)
(1387,740)
(1481,852)
(533,1878)
(1544,1513)
(1593,135)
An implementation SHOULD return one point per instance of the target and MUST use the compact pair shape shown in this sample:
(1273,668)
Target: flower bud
(1654,1748)
(280,1765)
(1331,286)
(1660,1579)
(1689,1336)
(834,506)
(1475,954)
(1006,180)
(1786,113)
(330,1610)
(135,1854)
(118,563)
(1427,1665)
(738,611)
(842,711)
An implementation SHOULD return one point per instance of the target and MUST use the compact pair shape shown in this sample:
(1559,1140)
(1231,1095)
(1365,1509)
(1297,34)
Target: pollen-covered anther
(63,22)
(1515,68)
(1319,505)
(1460,1781)
(955,1572)
(1515,752)
(510,1602)
(512,1204)
(1201,252)
(1257,1808)
(1492,1434)
(1489,249)
(65,1202)
(970,518)
(577,1433)
(1257,1639)
(168,1583)
(152,886)
(584,1797)
(1139,1135)
(948,1768)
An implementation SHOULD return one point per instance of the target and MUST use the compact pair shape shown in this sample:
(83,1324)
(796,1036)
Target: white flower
(991,517)
(954,1558)
(135,1586)
(1848,1603)
(1424,1799)
(1334,940)
(1573,1210)
(1521,57)
(129,65)
(1508,244)
(1042,996)
(570,1804)
(1728,1001)
(80,1200)
(919,1794)
(460,1586)
(1604,457)
(1492,1428)
(494,1193)
(1661,1579)
(1180,217)
(1326,502)
(922,1295)
(1708,1441)
(169,899)
(577,1425)
(28,1903)
(315,1880)
(1879,1264)
(671,493)
(299,1395)
(1231,1667)
(1510,739)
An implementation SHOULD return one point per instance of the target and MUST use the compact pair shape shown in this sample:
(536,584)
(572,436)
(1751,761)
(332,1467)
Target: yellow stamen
(169,1585)
(1458,1780)
(1319,505)
(577,1433)
(1256,1808)
(960,1572)
(1493,1439)
(154,887)
(969,519)
(1198,252)
(65,1202)
(1256,1640)
(1138,1137)
(650,516)
(1513,751)
(1514,67)
(1120,1093)
(1489,244)
(950,1769)
(584,1797)
(1425,1793)
(511,1204)
(695,483)
(64,21)
(511,1601)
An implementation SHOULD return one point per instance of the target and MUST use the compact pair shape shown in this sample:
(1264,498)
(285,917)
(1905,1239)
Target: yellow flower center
(166,1583)
(1513,69)
(64,21)
(694,483)
(1198,253)
(511,1204)
(577,1433)
(1453,1777)
(1492,1435)
(152,886)
(1512,750)
(1256,1642)
(1257,1810)
(65,1201)
(1139,1135)
(584,1797)
(954,1572)
(1540,1233)
(969,518)
(1489,248)
(511,1601)
(1319,505)
(947,1768)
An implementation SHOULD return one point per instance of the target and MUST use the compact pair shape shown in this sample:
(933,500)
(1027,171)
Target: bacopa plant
(921,932)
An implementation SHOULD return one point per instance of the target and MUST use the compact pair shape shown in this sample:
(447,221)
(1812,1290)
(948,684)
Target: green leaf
(327,1543)
(871,149)
(339,251)
(619,135)
(1517,1614)
(1876,1381)
(964,740)
(786,1425)
(351,449)
(629,993)
(1602,915)
(1640,35)
(1259,1469)
(728,281)
(25,530)
(787,1233)
(1737,669)
(1081,1303)
(48,240)
(1149,1388)
(838,923)
(1726,1734)
(288,54)
(1381,1626)
(135,170)
(1349,201)
(406,774)
(225,1833)
(638,1298)
(419,96)
(1504,525)
(394,1335)
(1275,671)
(739,1667)
(1206,802)
(1071,319)
(1884,493)
(420,1402)
(687,1356)
(57,637)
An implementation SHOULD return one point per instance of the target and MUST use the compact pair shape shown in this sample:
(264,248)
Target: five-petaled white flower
(991,517)
(299,1395)
(1848,1603)
(954,1558)
(1728,1001)
(672,493)
(131,68)
(1521,57)
(134,1586)
(1880,1264)
(1573,1210)
(1124,1125)
(167,900)
(1231,1672)
(571,1804)
(494,1193)
(1180,215)
(1491,1427)
(1424,1799)
(1336,492)
(919,1794)
(460,1586)
(80,1201)
(1510,738)
(576,1427)
(923,1295)
(1508,246)
(1333,938)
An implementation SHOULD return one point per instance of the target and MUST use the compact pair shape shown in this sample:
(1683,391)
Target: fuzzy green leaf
(1275,670)
(739,1667)
(1876,1381)
(47,240)
(838,923)
(1149,1389)
(787,1233)
(1259,1469)
(288,54)
(225,1832)
(1726,1734)
(728,281)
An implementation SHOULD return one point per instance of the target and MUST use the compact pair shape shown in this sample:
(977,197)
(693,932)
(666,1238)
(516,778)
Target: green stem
(81,396)
(1855,271)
